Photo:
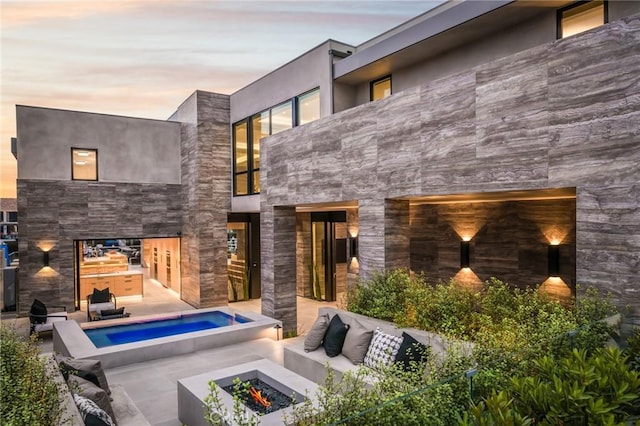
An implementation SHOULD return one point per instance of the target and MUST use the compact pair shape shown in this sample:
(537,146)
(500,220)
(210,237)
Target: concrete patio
(152,385)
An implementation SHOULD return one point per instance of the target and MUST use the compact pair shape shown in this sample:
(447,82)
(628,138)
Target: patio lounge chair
(41,320)
(98,301)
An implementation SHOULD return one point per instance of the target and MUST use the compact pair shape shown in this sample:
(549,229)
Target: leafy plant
(389,395)
(576,389)
(632,351)
(217,414)
(28,393)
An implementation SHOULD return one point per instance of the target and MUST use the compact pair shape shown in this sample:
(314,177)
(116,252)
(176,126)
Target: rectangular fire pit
(193,390)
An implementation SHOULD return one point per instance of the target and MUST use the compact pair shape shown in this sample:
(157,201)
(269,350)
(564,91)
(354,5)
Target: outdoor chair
(41,320)
(98,301)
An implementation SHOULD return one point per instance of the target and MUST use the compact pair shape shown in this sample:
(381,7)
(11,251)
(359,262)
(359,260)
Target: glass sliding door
(328,254)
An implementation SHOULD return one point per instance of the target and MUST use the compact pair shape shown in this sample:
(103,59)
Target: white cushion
(48,326)
(382,349)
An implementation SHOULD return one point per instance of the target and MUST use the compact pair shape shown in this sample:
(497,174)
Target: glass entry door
(327,251)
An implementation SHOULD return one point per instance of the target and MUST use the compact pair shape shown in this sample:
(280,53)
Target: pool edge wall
(69,339)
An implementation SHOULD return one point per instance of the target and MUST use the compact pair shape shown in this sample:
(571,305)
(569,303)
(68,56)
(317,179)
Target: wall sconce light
(464,254)
(554,260)
(353,247)
(45,258)
(277,327)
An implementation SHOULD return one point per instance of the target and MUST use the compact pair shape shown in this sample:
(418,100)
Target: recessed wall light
(80,163)
(82,154)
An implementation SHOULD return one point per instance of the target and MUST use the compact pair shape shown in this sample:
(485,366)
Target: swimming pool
(70,337)
(136,332)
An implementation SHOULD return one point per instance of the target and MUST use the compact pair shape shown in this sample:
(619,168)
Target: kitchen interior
(123,264)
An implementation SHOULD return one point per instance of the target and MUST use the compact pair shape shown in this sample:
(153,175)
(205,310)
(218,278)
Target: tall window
(381,88)
(281,117)
(308,107)
(581,16)
(84,164)
(248,132)
(241,158)
(259,129)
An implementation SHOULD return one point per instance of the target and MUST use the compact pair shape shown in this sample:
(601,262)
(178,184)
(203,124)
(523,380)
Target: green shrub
(575,390)
(510,327)
(28,395)
(395,397)
(632,351)
(383,296)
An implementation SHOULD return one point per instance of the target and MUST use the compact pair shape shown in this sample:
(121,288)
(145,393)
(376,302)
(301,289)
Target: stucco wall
(306,72)
(129,149)
(560,115)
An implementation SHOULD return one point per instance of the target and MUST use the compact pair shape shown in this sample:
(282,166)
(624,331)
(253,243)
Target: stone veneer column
(206,181)
(278,246)
(396,234)
(303,254)
(383,239)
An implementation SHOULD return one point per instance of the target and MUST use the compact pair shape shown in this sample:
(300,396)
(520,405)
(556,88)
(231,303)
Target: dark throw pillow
(110,312)
(334,337)
(411,350)
(100,296)
(95,393)
(38,308)
(84,368)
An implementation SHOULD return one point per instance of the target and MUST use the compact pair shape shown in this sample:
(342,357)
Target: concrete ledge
(193,390)
(69,338)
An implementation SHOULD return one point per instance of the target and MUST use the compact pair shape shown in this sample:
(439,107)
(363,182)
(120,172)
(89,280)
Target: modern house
(480,139)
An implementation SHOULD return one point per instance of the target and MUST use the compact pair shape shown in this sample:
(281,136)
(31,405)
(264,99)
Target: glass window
(309,107)
(84,164)
(242,184)
(12,216)
(240,147)
(581,17)
(281,117)
(381,88)
(260,129)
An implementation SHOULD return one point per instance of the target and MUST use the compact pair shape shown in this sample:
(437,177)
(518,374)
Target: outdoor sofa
(312,364)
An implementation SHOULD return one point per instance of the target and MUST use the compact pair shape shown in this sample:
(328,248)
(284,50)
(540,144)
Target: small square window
(381,88)
(84,164)
(581,16)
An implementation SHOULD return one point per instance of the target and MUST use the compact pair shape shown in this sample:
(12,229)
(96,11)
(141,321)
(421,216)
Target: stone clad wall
(206,190)
(562,115)
(52,214)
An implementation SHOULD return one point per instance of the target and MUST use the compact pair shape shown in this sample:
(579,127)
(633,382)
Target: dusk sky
(142,58)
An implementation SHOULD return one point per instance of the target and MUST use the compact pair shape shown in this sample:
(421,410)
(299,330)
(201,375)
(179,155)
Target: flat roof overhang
(443,31)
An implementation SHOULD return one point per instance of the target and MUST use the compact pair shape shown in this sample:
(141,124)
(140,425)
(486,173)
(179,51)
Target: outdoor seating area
(102,305)
(41,319)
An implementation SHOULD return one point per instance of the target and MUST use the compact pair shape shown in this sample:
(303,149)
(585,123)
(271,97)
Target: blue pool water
(135,332)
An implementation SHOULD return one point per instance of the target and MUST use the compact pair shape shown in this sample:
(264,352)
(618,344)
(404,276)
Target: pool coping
(69,338)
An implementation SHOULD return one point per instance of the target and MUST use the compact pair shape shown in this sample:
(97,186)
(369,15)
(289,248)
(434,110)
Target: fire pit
(275,391)
(260,396)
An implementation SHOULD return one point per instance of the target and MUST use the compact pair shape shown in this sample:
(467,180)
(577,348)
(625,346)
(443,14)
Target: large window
(84,164)
(581,16)
(281,117)
(248,132)
(308,107)
(241,158)
(381,88)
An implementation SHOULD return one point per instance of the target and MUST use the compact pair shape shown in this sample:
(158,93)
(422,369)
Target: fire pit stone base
(193,390)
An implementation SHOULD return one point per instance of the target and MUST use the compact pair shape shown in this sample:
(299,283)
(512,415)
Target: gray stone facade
(52,214)
(205,198)
(561,115)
